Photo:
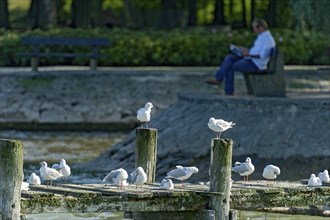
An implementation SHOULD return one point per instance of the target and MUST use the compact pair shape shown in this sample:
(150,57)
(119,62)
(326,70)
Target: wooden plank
(252,196)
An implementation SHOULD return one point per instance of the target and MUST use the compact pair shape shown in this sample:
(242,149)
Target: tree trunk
(4,14)
(192,12)
(96,16)
(132,14)
(43,13)
(169,16)
(244,23)
(219,17)
(85,13)
(51,13)
(271,13)
(253,8)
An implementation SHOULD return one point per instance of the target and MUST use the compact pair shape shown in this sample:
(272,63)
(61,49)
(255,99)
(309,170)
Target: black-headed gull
(138,177)
(244,169)
(63,168)
(324,176)
(117,177)
(167,184)
(34,179)
(143,114)
(219,125)
(314,181)
(181,173)
(49,173)
(271,172)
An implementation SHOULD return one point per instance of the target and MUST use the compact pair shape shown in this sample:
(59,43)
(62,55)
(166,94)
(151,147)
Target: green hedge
(168,48)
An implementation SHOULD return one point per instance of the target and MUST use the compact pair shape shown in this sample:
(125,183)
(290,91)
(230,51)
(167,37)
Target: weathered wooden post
(11,177)
(146,151)
(220,176)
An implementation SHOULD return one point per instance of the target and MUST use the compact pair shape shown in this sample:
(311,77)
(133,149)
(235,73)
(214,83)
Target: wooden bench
(42,45)
(269,82)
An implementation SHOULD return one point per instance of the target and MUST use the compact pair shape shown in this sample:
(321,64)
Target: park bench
(269,82)
(42,46)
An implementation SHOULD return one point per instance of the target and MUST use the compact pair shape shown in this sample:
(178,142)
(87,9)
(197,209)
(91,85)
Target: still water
(81,147)
(242,215)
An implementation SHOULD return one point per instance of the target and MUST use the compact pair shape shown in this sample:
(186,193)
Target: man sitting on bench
(254,59)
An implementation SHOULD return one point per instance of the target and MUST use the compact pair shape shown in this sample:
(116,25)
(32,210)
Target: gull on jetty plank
(254,195)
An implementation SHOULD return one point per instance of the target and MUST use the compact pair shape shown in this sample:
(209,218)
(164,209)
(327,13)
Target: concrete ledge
(72,126)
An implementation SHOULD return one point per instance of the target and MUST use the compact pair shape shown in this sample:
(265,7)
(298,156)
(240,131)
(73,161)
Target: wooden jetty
(189,201)
(281,197)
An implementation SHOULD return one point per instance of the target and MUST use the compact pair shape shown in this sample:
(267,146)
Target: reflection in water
(80,147)
(242,215)
(76,216)
(245,215)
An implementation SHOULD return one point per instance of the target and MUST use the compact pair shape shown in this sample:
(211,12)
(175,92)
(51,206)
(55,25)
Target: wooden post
(146,151)
(220,175)
(11,177)
(34,63)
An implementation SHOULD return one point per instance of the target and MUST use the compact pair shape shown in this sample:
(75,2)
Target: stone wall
(290,133)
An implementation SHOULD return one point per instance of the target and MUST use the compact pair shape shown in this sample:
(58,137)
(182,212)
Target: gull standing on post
(138,177)
(271,172)
(181,173)
(34,179)
(117,177)
(219,125)
(49,173)
(143,114)
(244,169)
(324,176)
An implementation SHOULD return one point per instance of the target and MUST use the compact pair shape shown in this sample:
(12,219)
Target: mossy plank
(191,197)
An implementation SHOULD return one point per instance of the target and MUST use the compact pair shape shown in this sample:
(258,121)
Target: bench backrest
(65,41)
(275,63)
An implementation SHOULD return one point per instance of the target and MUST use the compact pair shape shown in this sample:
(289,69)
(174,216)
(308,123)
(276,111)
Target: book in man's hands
(236,50)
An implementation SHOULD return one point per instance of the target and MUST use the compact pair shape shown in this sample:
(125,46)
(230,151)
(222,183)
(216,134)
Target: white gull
(64,169)
(117,177)
(167,184)
(244,169)
(25,186)
(219,126)
(324,176)
(138,177)
(271,172)
(182,173)
(143,114)
(34,179)
(314,181)
(49,173)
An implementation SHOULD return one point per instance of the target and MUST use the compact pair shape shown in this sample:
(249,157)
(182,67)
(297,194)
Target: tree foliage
(168,14)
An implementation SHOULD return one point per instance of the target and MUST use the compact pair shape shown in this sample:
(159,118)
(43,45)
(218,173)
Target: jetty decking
(282,197)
